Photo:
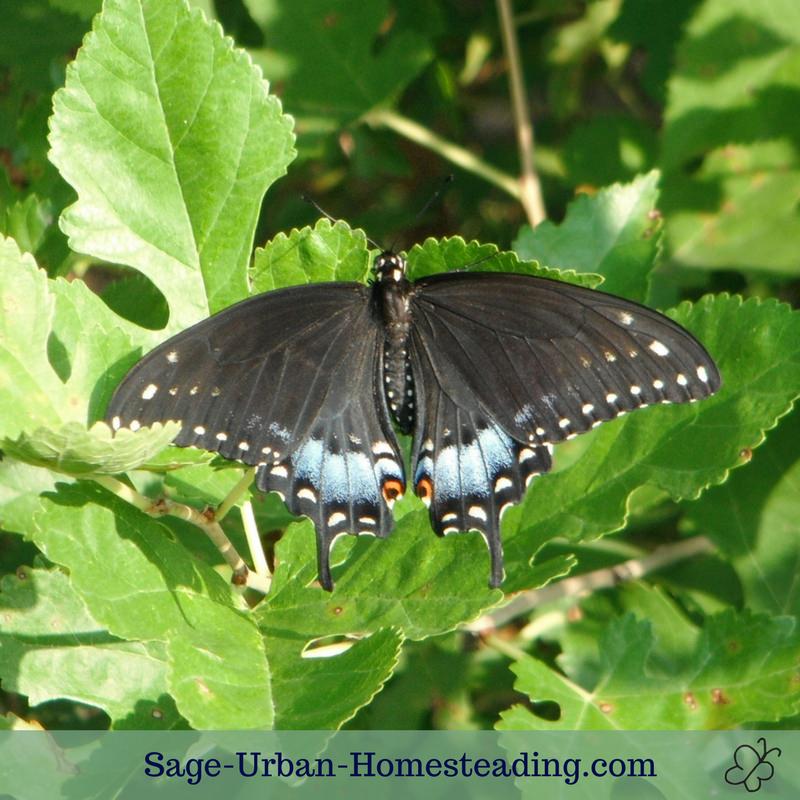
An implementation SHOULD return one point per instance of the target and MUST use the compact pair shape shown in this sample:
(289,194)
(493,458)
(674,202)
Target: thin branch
(234,494)
(581,585)
(384,117)
(254,542)
(242,576)
(531,189)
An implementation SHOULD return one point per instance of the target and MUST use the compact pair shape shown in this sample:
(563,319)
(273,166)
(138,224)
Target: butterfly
(487,370)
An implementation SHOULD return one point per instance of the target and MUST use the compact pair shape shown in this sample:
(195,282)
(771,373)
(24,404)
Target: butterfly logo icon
(750,767)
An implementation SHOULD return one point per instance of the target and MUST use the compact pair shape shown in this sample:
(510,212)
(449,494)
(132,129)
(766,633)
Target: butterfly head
(390,267)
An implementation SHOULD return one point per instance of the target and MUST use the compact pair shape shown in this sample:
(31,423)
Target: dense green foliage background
(135,160)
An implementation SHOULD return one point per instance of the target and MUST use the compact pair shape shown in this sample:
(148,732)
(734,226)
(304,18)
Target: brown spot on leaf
(606,708)
(690,701)
(201,685)
(22,574)
(719,698)
(157,713)
(734,646)
(331,20)
(745,454)
(336,610)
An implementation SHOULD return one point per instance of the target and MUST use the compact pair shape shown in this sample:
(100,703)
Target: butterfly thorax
(393,292)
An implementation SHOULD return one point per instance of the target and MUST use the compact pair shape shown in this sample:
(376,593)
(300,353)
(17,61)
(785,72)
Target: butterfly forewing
(288,382)
(547,360)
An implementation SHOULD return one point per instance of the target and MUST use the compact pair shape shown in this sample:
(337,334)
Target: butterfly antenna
(306,199)
(431,200)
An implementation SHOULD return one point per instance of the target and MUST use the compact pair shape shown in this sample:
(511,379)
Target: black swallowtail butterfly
(488,370)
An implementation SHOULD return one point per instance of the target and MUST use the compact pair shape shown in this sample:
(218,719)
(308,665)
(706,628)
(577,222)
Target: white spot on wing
(150,392)
(115,423)
(658,384)
(625,318)
(502,483)
(609,356)
(199,430)
(336,518)
(244,446)
(280,471)
(702,374)
(477,512)
(135,425)
(380,448)
(587,408)
(307,494)
(611,398)
(635,390)
(172,356)
(658,348)
(222,437)
(681,379)
(563,423)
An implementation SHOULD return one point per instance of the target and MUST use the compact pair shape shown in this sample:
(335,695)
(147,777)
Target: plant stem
(384,117)
(531,189)
(582,585)
(158,508)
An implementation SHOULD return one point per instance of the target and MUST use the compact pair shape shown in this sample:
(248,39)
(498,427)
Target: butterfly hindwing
(548,359)
(288,382)
(346,472)
(467,469)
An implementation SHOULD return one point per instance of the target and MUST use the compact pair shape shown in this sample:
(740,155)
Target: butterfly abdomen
(393,293)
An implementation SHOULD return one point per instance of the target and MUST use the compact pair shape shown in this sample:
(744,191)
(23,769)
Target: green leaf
(57,342)
(170,138)
(325,252)
(333,63)
(444,255)
(20,488)
(737,78)
(681,449)
(754,519)
(142,586)
(26,222)
(75,450)
(51,647)
(742,669)
(738,211)
(614,233)
(412,582)
(323,693)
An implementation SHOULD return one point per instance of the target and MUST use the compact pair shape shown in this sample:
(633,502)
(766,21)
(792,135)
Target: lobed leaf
(614,233)
(326,252)
(738,211)
(741,669)
(736,80)
(60,349)
(329,61)
(170,137)
(51,647)
(452,254)
(142,586)
(754,520)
